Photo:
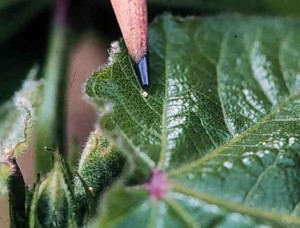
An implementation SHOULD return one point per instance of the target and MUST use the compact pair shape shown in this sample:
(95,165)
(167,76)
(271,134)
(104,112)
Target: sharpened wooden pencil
(133,21)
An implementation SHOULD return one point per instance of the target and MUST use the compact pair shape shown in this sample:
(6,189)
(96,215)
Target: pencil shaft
(132,18)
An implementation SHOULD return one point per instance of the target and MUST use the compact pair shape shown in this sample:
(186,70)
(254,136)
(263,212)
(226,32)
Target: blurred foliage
(270,7)
(14,17)
(23,38)
(24,26)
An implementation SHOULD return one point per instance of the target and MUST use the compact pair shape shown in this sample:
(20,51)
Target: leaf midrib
(181,212)
(214,153)
(164,141)
(260,214)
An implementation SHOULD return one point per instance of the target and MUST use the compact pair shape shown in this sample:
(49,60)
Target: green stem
(51,123)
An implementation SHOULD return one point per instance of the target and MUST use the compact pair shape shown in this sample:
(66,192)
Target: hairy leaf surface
(220,119)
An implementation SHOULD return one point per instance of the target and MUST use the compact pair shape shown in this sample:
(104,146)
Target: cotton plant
(214,141)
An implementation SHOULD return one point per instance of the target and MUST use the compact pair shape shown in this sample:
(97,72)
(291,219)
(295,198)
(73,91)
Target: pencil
(133,21)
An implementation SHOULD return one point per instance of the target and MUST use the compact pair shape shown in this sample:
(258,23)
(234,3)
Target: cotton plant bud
(53,201)
(98,167)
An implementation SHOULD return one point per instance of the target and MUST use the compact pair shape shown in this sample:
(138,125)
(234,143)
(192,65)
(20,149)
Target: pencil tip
(143,71)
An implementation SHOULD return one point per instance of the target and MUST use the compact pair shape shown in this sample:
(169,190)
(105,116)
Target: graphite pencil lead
(143,71)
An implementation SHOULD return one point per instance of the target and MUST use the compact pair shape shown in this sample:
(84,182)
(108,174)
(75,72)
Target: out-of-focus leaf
(13,18)
(22,48)
(272,7)
(219,127)
(17,117)
(6,3)
(4,173)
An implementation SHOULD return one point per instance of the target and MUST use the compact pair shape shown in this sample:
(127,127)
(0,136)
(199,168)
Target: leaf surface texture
(221,119)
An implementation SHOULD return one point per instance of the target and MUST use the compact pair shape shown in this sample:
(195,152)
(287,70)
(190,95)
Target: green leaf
(271,7)
(219,129)
(17,118)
